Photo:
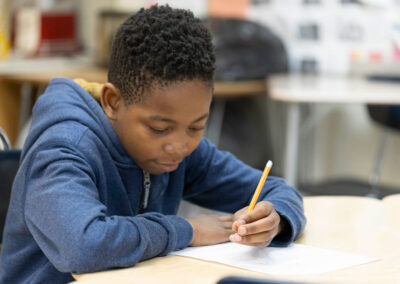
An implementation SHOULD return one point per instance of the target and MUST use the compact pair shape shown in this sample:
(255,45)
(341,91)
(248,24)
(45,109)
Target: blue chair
(387,116)
(9,163)
(4,141)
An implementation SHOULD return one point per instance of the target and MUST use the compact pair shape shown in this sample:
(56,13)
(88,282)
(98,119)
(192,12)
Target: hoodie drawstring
(146,185)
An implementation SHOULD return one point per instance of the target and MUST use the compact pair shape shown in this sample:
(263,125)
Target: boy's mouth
(168,167)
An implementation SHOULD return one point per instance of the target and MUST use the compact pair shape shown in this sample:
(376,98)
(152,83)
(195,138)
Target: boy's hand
(210,229)
(258,227)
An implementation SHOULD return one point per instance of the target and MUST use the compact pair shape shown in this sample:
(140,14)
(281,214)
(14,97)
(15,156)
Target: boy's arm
(71,226)
(217,180)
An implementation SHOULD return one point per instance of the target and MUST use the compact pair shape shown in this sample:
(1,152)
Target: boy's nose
(177,149)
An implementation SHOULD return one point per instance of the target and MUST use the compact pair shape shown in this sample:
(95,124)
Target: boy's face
(167,126)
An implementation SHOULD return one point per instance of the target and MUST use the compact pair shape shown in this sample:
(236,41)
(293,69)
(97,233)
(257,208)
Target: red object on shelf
(58,33)
(375,56)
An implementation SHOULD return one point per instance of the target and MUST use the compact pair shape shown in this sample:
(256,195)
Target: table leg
(10,108)
(214,126)
(291,146)
(26,105)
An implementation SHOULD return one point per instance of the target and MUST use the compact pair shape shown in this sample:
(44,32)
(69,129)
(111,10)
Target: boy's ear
(111,100)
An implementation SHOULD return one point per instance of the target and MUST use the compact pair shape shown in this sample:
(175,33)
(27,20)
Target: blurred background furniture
(298,90)
(388,117)
(366,41)
(30,84)
(9,163)
(245,51)
(238,110)
(4,140)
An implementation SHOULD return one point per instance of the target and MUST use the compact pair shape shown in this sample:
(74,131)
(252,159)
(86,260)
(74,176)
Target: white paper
(292,260)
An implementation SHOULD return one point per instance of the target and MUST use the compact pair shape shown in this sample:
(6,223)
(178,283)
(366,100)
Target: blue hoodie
(78,202)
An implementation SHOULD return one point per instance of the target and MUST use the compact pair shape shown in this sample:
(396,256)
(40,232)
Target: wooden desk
(354,224)
(298,89)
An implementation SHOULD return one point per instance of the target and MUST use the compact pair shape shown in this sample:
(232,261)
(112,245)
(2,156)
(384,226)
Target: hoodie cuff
(287,236)
(184,232)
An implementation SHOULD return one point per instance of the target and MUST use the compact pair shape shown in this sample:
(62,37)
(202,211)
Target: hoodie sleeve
(63,213)
(217,180)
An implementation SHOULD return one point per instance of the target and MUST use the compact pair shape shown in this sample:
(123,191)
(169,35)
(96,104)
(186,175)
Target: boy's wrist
(184,231)
(190,221)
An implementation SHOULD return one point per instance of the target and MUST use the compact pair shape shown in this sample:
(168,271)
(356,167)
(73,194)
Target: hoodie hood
(64,94)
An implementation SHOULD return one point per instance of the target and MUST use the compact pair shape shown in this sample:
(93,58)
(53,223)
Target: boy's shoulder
(69,134)
(65,115)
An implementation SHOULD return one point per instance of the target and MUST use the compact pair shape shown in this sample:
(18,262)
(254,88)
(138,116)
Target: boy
(99,186)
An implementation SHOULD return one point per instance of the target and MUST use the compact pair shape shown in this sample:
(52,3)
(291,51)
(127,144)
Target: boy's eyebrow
(201,117)
(166,119)
(161,118)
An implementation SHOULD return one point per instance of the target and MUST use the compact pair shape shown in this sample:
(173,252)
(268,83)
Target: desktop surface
(359,225)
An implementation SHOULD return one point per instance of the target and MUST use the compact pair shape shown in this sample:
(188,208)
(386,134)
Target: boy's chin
(158,168)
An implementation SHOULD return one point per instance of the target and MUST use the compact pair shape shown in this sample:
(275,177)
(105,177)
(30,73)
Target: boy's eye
(197,128)
(159,130)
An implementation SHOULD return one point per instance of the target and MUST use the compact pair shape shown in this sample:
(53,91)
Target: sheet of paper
(293,260)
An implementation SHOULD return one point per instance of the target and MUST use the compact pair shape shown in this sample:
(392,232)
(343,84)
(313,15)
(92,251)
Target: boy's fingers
(258,245)
(241,212)
(238,223)
(253,240)
(262,225)
(262,210)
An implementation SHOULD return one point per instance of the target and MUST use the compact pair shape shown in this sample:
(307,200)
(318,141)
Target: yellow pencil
(259,186)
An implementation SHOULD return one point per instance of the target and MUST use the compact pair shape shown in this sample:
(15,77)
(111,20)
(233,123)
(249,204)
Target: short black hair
(159,45)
